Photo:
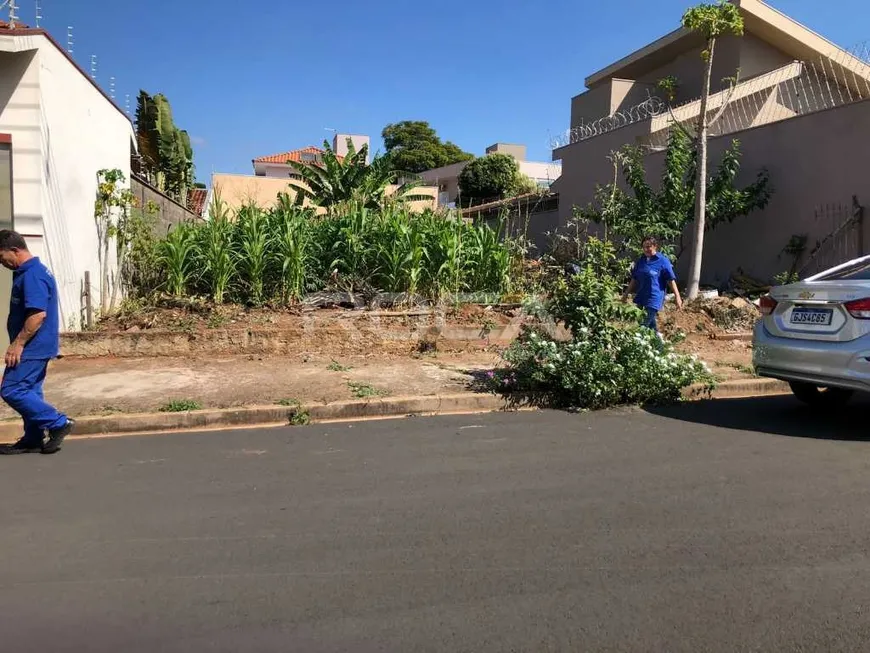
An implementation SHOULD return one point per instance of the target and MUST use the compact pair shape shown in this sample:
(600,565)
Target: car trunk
(817,310)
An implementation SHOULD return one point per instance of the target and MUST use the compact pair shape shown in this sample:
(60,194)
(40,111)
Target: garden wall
(362,335)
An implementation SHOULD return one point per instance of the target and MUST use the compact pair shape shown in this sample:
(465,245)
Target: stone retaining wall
(362,336)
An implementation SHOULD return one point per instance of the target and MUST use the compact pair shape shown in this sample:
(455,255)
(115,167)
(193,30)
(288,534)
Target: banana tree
(334,181)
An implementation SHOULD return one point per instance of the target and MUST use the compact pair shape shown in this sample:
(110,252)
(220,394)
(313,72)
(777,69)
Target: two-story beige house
(800,109)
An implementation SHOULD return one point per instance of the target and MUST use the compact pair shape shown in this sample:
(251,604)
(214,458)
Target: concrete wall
(19,117)
(170,211)
(64,130)
(20,105)
(446,179)
(749,53)
(82,132)
(275,170)
(813,160)
(758,57)
(516,151)
(541,171)
(339,144)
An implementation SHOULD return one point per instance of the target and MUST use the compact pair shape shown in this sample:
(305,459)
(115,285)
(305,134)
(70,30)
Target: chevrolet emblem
(806,294)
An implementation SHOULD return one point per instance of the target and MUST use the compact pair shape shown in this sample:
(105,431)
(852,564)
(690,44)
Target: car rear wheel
(813,395)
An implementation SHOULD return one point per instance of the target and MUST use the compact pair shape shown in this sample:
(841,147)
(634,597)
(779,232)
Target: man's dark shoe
(56,437)
(22,446)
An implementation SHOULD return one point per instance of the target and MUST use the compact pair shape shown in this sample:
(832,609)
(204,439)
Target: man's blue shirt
(34,289)
(652,276)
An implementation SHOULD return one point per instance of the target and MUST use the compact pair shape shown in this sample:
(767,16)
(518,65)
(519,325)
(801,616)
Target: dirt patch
(192,316)
(704,322)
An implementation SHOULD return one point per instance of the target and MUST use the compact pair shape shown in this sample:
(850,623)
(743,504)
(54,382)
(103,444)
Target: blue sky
(254,78)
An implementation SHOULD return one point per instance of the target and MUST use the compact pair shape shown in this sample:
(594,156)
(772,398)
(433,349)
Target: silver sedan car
(815,334)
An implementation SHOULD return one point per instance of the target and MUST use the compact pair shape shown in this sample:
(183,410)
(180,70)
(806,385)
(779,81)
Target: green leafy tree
(165,150)
(631,215)
(413,146)
(711,21)
(493,176)
(335,180)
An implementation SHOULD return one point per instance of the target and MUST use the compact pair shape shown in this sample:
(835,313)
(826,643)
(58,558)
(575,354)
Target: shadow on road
(779,415)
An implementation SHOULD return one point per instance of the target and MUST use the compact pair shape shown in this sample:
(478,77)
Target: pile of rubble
(730,314)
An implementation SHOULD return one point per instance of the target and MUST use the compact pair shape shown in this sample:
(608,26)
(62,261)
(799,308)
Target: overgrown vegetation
(629,216)
(165,150)
(610,360)
(333,181)
(276,257)
(128,229)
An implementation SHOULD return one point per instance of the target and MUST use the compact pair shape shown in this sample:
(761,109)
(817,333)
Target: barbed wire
(798,88)
(649,108)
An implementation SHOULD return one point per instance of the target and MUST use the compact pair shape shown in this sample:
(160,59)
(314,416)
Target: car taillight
(767,305)
(859,309)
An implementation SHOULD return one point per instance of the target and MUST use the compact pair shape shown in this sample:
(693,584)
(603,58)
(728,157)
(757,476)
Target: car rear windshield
(858,271)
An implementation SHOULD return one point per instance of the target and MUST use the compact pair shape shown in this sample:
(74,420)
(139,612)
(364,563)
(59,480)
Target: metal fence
(844,225)
(795,89)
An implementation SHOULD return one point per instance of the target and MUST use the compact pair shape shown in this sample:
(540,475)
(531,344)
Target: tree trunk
(694,285)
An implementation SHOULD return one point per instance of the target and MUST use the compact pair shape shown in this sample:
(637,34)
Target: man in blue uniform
(34,337)
(651,278)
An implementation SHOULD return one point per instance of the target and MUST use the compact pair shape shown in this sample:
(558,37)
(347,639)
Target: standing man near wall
(34,334)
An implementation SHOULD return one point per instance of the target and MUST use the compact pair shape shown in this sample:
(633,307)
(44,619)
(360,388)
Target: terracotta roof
(293,155)
(196,200)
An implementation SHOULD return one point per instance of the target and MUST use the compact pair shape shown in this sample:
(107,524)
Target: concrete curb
(276,415)
(385,407)
(741,388)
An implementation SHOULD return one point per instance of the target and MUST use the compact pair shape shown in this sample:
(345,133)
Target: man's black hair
(11,240)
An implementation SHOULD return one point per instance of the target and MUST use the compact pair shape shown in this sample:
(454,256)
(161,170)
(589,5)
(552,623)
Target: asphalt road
(734,526)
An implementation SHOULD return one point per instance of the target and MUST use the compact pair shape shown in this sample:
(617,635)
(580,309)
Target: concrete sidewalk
(112,385)
(130,395)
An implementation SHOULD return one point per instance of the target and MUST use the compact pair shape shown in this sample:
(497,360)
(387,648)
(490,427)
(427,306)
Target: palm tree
(335,180)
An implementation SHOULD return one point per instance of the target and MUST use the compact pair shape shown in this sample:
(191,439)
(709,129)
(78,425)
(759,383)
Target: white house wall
(20,116)
(81,133)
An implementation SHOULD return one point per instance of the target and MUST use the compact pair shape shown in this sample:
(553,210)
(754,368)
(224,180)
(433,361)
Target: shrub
(626,366)
(610,360)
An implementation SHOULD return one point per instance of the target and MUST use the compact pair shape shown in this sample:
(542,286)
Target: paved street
(734,526)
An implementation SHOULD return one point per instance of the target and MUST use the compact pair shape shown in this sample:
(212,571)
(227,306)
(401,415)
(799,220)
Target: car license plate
(814,316)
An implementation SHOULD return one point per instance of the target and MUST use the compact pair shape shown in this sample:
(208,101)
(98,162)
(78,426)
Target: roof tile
(196,200)
(293,155)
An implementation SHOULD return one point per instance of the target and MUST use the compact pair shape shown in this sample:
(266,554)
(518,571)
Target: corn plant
(177,254)
(217,262)
(488,259)
(351,245)
(294,250)
(252,252)
(446,259)
(255,255)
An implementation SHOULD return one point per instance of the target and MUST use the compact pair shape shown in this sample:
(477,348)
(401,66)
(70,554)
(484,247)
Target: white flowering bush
(611,360)
(629,366)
